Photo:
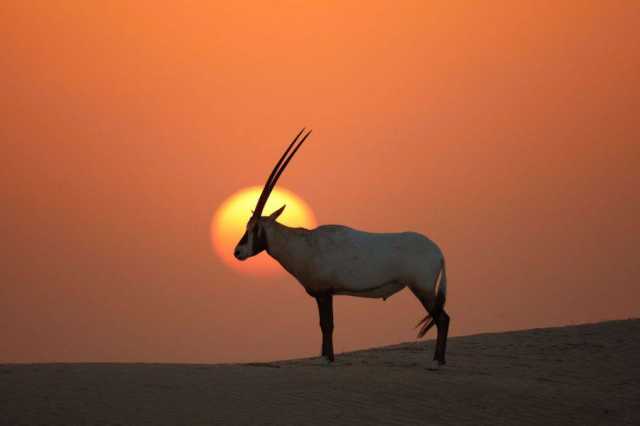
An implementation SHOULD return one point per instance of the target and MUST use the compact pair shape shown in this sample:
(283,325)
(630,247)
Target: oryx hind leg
(434,305)
(428,302)
(443,330)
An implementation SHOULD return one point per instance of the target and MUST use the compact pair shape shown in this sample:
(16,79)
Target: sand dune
(587,374)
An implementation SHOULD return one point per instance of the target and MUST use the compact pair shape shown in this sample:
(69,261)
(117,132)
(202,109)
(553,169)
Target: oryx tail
(440,299)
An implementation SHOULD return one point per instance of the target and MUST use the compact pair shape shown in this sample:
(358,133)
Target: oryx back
(365,264)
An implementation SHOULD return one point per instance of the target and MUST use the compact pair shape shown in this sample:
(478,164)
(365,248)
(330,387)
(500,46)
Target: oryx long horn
(277,171)
(262,200)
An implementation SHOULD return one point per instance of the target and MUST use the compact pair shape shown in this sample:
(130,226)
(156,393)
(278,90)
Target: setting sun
(231,217)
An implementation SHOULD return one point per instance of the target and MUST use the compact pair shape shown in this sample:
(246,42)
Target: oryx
(335,259)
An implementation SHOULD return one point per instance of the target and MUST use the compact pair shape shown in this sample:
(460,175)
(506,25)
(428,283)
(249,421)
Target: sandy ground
(587,374)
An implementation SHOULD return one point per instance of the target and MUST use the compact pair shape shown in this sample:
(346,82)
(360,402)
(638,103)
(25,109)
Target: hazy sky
(506,131)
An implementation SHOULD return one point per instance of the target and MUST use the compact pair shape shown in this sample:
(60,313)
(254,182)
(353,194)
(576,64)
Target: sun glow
(229,222)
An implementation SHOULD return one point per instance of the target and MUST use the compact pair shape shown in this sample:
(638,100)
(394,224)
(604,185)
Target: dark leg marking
(443,330)
(437,316)
(325,308)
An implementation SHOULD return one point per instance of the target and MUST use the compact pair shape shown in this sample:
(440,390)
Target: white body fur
(341,260)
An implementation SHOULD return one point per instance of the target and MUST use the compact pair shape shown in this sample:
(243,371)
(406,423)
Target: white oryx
(335,259)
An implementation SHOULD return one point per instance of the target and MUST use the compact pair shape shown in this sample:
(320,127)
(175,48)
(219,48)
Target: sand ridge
(586,374)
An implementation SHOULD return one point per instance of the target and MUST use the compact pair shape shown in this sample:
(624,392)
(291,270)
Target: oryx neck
(280,236)
(286,245)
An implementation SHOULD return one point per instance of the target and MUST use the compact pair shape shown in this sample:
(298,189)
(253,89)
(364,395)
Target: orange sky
(506,131)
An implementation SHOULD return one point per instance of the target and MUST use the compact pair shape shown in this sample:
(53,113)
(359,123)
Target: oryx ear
(274,215)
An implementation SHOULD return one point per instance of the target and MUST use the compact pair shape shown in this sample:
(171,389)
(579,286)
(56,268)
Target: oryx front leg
(325,308)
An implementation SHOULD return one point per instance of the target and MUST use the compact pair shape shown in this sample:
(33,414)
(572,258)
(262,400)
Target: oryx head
(254,239)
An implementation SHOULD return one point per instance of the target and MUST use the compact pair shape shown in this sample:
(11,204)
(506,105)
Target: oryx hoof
(434,366)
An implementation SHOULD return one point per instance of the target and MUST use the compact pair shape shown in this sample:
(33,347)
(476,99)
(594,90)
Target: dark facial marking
(259,239)
(244,239)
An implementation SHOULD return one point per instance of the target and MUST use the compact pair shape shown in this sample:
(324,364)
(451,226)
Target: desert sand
(585,374)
